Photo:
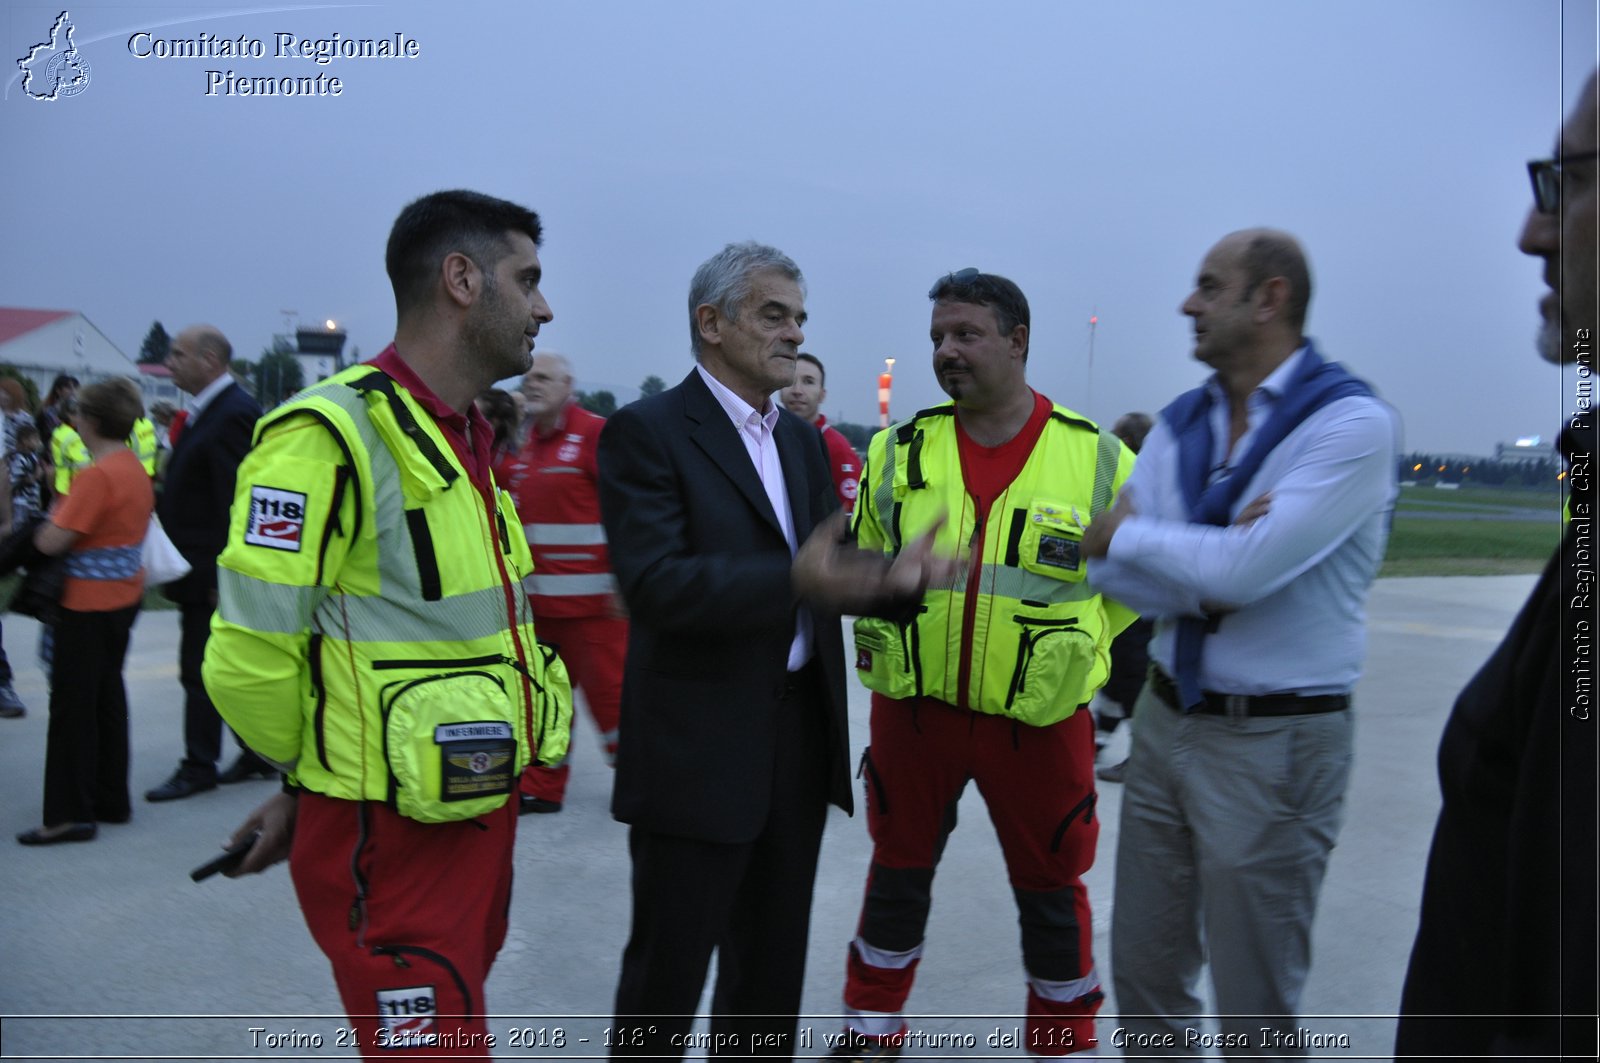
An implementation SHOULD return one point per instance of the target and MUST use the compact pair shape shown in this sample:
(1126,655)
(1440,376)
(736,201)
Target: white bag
(162,562)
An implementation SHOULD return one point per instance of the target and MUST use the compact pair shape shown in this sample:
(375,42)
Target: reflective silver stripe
(885,960)
(1108,451)
(272,608)
(568,586)
(568,469)
(1067,991)
(548,555)
(565,534)
(883,494)
(467,617)
(1019,583)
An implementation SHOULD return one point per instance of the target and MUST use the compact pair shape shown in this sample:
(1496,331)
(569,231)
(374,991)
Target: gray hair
(723,281)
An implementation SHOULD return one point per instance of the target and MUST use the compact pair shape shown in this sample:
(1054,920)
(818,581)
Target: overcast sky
(1090,151)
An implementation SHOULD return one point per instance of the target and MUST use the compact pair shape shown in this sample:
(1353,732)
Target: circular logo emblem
(479,763)
(68,72)
(849,488)
(568,452)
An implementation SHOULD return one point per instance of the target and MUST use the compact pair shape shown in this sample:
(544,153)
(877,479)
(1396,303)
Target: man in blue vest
(1250,530)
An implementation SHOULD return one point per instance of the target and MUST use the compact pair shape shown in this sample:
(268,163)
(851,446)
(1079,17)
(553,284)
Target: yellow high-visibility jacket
(69,454)
(1037,636)
(372,634)
(142,441)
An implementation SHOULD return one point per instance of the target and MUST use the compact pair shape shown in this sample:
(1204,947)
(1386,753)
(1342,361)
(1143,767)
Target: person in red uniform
(575,604)
(804,398)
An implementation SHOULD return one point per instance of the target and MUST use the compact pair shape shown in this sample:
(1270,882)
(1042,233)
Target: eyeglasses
(960,276)
(1546,177)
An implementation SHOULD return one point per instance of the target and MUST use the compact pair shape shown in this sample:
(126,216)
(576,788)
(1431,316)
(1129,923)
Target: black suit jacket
(198,488)
(703,564)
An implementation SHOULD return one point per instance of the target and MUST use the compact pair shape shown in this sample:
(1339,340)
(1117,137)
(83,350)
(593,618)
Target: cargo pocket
(451,746)
(888,656)
(1055,659)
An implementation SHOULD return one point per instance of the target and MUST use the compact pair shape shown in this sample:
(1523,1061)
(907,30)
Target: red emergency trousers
(1038,783)
(552,480)
(410,915)
(593,648)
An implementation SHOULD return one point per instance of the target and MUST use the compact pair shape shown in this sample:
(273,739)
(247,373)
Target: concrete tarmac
(107,950)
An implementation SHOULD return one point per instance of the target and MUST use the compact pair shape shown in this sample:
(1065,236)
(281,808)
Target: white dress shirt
(755,432)
(1292,584)
(198,404)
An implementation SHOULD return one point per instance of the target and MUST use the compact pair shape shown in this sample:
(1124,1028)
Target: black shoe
(179,786)
(859,1049)
(529,803)
(248,766)
(72,832)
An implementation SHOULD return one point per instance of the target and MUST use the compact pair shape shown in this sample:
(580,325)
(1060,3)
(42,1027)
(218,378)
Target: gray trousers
(1227,823)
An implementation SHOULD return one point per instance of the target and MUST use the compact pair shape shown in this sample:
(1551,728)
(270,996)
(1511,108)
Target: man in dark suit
(716,504)
(193,507)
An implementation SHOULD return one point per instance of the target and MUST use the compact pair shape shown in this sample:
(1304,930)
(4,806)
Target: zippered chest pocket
(1050,541)
(450,744)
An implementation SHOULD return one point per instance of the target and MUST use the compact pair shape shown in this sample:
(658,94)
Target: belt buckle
(1237,706)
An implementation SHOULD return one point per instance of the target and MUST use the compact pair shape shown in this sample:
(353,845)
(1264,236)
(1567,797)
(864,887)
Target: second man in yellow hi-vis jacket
(372,637)
(987,680)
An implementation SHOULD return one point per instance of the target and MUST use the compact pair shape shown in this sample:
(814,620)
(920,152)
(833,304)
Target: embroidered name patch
(475,759)
(277,519)
(1058,552)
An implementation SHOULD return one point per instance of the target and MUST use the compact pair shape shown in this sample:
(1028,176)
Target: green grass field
(1545,499)
(1453,542)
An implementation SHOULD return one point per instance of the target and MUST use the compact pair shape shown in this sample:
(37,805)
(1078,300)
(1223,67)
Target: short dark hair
(435,225)
(111,405)
(62,382)
(1274,254)
(998,293)
(822,374)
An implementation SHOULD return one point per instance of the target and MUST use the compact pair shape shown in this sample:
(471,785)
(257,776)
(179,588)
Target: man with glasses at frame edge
(1504,960)
(988,680)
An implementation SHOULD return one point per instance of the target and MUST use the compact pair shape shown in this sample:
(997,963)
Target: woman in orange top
(101,527)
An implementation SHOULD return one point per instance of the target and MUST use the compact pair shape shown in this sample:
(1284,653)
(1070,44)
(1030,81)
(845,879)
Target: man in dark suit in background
(193,507)
(733,736)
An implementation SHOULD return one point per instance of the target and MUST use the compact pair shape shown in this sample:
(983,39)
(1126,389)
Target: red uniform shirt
(844,464)
(552,480)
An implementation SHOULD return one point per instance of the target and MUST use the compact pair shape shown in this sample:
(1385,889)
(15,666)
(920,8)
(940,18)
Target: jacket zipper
(969,606)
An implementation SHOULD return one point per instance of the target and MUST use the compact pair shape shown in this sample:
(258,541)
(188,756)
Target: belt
(1162,685)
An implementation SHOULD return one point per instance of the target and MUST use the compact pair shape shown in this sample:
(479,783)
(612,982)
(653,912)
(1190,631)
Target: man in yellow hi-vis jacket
(987,680)
(373,640)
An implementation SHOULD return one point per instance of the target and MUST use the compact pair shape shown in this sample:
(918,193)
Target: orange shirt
(109,506)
